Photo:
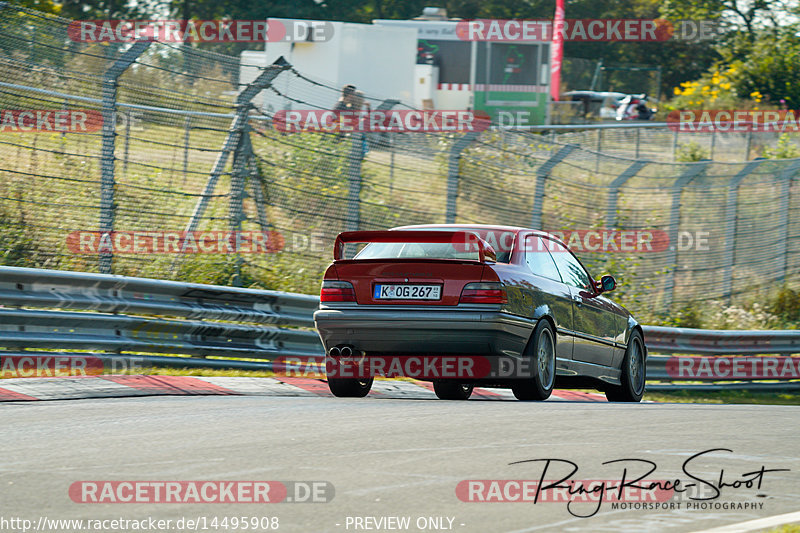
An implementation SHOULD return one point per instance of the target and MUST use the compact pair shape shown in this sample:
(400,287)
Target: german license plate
(407,292)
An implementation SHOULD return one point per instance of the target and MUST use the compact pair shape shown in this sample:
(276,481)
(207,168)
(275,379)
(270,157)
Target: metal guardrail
(49,312)
(662,373)
(721,342)
(56,310)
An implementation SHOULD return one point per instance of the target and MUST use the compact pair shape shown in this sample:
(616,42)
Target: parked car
(596,105)
(489,292)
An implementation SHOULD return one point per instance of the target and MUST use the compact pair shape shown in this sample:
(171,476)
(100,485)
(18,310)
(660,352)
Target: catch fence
(178,140)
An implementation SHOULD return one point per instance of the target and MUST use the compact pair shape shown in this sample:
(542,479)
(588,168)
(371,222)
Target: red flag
(557,51)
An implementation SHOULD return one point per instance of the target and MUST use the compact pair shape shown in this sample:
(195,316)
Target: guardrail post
(619,181)
(453,175)
(694,170)
(233,139)
(730,225)
(785,178)
(107,181)
(542,173)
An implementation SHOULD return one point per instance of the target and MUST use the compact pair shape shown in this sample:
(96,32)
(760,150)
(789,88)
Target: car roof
(482,227)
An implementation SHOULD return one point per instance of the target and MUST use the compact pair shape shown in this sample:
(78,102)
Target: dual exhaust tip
(341,351)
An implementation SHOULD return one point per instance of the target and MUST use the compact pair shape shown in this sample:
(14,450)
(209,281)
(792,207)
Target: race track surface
(394,455)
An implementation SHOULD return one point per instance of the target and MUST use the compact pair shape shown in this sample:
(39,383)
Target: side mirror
(608,283)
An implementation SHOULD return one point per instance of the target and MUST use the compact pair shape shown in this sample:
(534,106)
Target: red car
(473,305)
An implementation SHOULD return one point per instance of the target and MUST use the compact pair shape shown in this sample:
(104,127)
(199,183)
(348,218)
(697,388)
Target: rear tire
(452,390)
(634,373)
(349,388)
(542,352)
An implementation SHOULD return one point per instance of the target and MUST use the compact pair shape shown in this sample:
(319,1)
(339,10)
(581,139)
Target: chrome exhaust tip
(335,352)
(346,351)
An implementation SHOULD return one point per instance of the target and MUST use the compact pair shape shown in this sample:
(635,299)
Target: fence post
(749,144)
(234,136)
(236,216)
(126,150)
(675,145)
(453,174)
(599,149)
(187,127)
(694,170)
(256,184)
(107,181)
(619,181)
(638,141)
(354,158)
(713,143)
(785,178)
(730,225)
(542,173)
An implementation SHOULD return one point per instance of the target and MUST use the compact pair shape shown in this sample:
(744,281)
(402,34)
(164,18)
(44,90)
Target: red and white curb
(73,388)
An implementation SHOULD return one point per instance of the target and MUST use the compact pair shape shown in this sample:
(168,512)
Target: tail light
(484,293)
(337,291)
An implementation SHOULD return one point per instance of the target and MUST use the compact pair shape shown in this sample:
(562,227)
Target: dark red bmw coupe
(474,305)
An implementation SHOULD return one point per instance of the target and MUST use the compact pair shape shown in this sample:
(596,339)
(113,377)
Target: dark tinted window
(539,259)
(452,58)
(569,267)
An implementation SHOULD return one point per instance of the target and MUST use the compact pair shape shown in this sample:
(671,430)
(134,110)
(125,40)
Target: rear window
(413,250)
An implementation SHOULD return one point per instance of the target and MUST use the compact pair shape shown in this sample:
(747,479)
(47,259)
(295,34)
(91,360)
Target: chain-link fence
(156,144)
(660,142)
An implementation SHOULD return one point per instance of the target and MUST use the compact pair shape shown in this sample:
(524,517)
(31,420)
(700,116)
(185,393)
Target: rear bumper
(381,331)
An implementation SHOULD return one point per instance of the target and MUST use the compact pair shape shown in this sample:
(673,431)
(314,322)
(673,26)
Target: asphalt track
(390,455)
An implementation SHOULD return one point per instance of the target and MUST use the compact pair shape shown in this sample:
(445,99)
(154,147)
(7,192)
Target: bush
(691,152)
(785,149)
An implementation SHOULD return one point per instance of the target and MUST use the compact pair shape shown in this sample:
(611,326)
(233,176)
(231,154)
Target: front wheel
(349,388)
(451,390)
(542,352)
(633,373)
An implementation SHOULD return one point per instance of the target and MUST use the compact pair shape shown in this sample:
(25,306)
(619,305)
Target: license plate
(407,292)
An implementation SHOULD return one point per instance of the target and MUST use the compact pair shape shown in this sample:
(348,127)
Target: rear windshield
(413,250)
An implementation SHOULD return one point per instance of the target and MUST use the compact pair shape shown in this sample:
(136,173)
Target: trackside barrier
(712,346)
(55,310)
(118,318)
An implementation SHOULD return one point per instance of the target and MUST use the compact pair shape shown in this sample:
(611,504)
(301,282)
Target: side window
(539,260)
(571,270)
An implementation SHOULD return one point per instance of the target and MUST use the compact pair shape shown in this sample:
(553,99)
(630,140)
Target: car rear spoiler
(460,239)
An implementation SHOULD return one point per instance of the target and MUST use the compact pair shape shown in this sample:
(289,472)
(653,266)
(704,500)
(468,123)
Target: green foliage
(786,305)
(691,152)
(785,149)
(769,67)
(687,316)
